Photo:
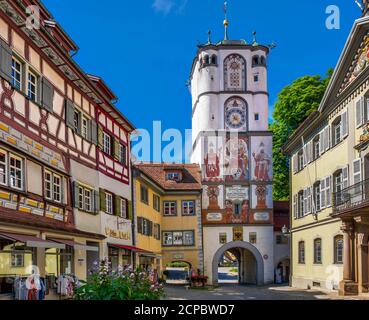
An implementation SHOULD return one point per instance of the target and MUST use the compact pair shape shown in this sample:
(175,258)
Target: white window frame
(106,143)
(177,238)
(21,170)
(16,82)
(53,186)
(87,199)
(173,176)
(167,238)
(34,84)
(84,126)
(81,198)
(185,238)
(123,208)
(109,203)
(48,183)
(122,154)
(5,164)
(170,206)
(57,188)
(186,208)
(15,259)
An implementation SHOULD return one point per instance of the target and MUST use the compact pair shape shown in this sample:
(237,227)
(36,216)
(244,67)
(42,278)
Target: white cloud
(167,6)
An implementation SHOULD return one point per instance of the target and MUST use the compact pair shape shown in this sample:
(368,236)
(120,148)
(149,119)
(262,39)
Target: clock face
(235,118)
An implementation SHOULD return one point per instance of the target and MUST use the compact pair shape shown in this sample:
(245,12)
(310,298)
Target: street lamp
(285,230)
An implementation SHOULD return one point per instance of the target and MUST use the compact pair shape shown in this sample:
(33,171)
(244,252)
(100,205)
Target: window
(156,202)
(157,231)
(301,252)
(16,172)
(170,208)
(144,195)
(337,131)
(3,168)
(174,176)
(222,238)
(301,204)
(214,59)
(338,181)
(106,143)
(122,156)
(253,238)
(123,209)
(257,117)
(77,121)
(109,203)
(234,73)
(256,78)
(53,186)
(178,238)
(318,251)
(317,196)
(32,90)
(316,147)
(85,127)
(16,74)
(300,157)
(188,208)
(17,260)
(255,61)
(81,199)
(338,250)
(167,238)
(237,209)
(87,200)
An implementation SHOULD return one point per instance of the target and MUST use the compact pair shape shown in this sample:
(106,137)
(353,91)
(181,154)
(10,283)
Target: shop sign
(237,193)
(178,256)
(117,234)
(261,216)
(212,217)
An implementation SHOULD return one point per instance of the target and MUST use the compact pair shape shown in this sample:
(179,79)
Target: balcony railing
(351,198)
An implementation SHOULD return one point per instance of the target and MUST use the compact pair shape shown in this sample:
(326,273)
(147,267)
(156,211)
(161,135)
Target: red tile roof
(21,219)
(191,175)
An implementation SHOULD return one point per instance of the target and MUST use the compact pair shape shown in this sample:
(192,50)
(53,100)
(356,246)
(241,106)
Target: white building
(232,143)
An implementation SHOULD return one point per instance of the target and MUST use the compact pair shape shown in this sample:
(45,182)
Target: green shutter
(69,113)
(97,201)
(5,61)
(100,137)
(116,145)
(102,201)
(93,132)
(159,235)
(117,206)
(129,210)
(47,95)
(75,194)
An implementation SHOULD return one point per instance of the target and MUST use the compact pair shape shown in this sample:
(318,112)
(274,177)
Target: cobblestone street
(237,292)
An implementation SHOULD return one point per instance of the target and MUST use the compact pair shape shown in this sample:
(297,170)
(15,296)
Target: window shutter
(327,138)
(304,155)
(129,211)
(295,163)
(5,61)
(151,226)
(117,206)
(47,95)
(322,194)
(139,225)
(93,132)
(116,145)
(295,213)
(96,208)
(321,142)
(75,194)
(344,126)
(359,113)
(102,201)
(69,114)
(159,232)
(345,177)
(357,171)
(100,137)
(328,187)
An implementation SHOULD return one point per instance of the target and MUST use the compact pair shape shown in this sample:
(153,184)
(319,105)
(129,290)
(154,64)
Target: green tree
(295,103)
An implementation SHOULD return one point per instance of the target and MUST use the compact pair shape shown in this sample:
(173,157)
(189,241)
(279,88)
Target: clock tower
(232,144)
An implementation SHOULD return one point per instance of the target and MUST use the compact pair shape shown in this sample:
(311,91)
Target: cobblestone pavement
(238,292)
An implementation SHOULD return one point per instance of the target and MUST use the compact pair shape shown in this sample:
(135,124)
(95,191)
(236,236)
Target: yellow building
(329,166)
(167,206)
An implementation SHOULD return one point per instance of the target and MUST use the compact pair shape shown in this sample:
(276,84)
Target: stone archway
(241,245)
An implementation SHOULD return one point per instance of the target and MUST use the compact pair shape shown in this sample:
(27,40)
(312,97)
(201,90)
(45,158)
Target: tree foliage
(295,103)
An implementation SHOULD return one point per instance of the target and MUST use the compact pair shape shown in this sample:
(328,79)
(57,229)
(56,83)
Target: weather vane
(226,22)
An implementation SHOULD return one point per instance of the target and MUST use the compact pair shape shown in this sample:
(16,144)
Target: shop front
(149,261)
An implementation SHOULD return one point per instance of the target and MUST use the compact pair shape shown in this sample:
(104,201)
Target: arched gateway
(250,259)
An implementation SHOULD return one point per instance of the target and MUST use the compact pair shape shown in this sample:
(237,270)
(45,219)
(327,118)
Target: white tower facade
(232,144)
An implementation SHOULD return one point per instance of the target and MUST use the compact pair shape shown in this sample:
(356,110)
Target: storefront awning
(130,248)
(31,241)
(76,245)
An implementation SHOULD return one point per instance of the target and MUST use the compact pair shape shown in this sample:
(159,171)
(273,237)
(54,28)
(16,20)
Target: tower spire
(225,22)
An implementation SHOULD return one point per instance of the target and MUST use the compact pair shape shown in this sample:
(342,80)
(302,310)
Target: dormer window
(173,176)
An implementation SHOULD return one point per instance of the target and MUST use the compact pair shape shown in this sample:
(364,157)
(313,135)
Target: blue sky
(144,49)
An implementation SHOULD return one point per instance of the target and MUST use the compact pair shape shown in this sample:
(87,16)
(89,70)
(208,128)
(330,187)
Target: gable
(352,65)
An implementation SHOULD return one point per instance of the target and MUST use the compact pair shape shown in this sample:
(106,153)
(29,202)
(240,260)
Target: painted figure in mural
(213,193)
(212,164)
(262,164)
(236,159)
(261,194)
(245,212)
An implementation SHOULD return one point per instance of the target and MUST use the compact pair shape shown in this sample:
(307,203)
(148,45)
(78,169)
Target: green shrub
(122,285)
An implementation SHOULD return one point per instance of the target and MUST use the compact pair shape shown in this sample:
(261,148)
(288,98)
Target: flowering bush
(124,284)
